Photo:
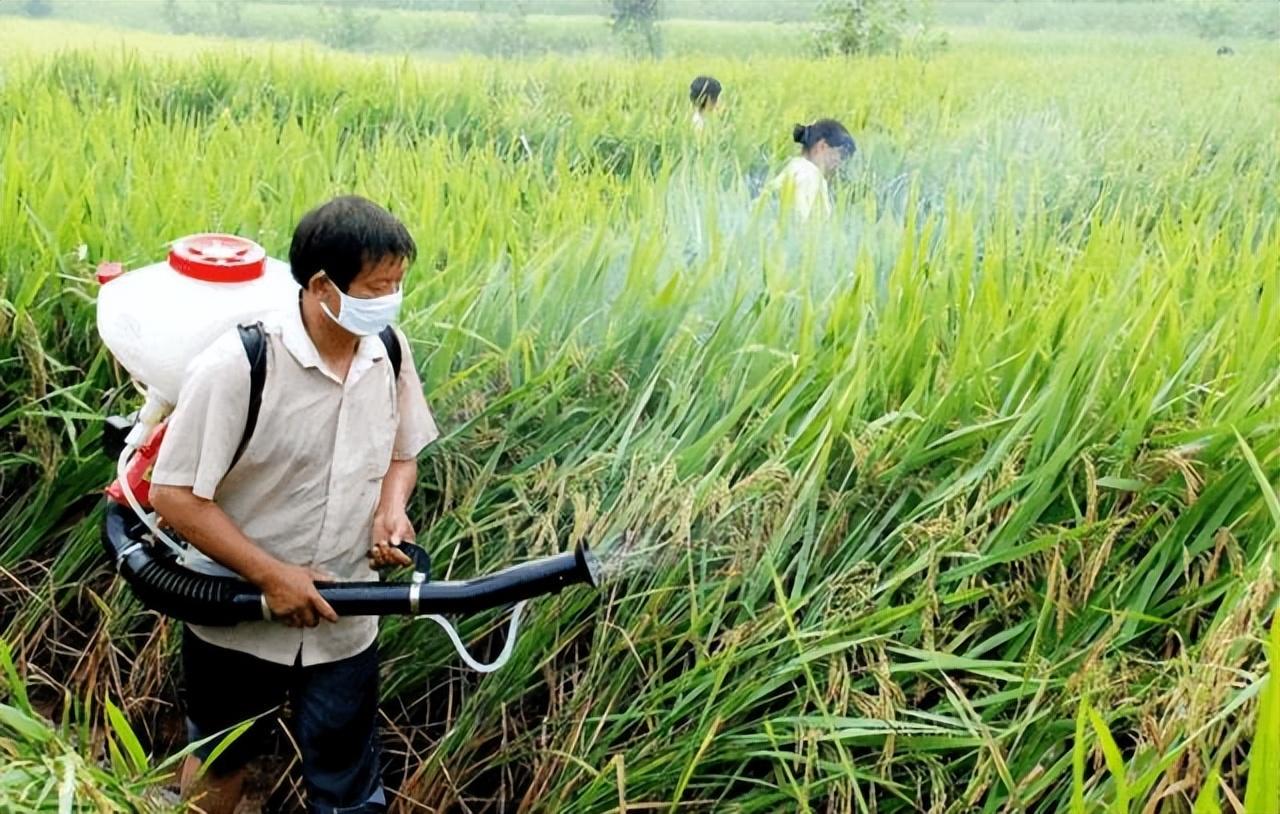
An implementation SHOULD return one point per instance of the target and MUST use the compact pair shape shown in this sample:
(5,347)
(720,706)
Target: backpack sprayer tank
(155,321)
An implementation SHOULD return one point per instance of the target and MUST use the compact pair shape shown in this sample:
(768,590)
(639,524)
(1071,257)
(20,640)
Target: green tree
(177,18)
(227,15)
(859,27)
(635,22)
(348,28)
(1210,20)
(505,32)
(37,8)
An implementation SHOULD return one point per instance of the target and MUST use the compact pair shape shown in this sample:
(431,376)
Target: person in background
(825,145)
(320,492)
(704,93)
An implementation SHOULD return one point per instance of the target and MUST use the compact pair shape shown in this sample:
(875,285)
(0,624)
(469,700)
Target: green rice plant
(51,767)
(986,460)
(1263,790)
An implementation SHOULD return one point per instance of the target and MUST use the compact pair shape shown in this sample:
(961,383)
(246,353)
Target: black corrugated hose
(164,585)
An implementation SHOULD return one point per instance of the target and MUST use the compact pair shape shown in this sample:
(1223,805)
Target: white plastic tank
(156,319)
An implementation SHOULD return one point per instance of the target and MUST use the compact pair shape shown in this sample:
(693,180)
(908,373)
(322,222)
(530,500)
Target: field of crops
(705,27)
(722,28)
(964,500)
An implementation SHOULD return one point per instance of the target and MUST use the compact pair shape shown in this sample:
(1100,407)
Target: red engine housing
(138,473)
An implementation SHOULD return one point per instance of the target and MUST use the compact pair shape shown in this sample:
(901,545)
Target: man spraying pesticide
(286,466)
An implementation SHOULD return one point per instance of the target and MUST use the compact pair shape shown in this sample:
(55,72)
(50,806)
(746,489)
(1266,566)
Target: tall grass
(964,501)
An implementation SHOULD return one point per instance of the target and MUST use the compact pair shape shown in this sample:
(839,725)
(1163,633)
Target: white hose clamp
(415,591)
(125,552)
(266,609)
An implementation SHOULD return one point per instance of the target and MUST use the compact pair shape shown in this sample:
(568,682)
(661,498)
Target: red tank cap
(217,258)
(108,272)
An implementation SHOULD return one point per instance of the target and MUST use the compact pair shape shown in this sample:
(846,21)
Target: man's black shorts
(334,720)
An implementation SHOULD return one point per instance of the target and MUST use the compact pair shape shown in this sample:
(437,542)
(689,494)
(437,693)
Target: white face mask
(365,317)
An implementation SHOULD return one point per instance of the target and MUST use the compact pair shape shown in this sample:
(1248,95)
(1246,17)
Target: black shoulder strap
(392,343)
(254,340)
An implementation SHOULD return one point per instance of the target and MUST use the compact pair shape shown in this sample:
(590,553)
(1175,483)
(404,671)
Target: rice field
(962,501)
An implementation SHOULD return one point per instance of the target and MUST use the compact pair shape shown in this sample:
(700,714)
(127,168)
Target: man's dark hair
(704,90)
(343,236)
(828,130)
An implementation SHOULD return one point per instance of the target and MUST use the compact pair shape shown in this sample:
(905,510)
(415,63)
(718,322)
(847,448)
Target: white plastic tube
(466,656)
(153,411)
(148,518)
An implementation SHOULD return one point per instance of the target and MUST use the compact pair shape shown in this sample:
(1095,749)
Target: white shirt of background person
(808,187)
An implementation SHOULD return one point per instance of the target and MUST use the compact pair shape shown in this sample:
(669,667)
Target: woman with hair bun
(825,145)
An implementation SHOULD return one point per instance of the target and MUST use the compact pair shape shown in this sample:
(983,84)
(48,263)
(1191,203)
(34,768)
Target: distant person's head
(826,143)
(350,255)
(704,93)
